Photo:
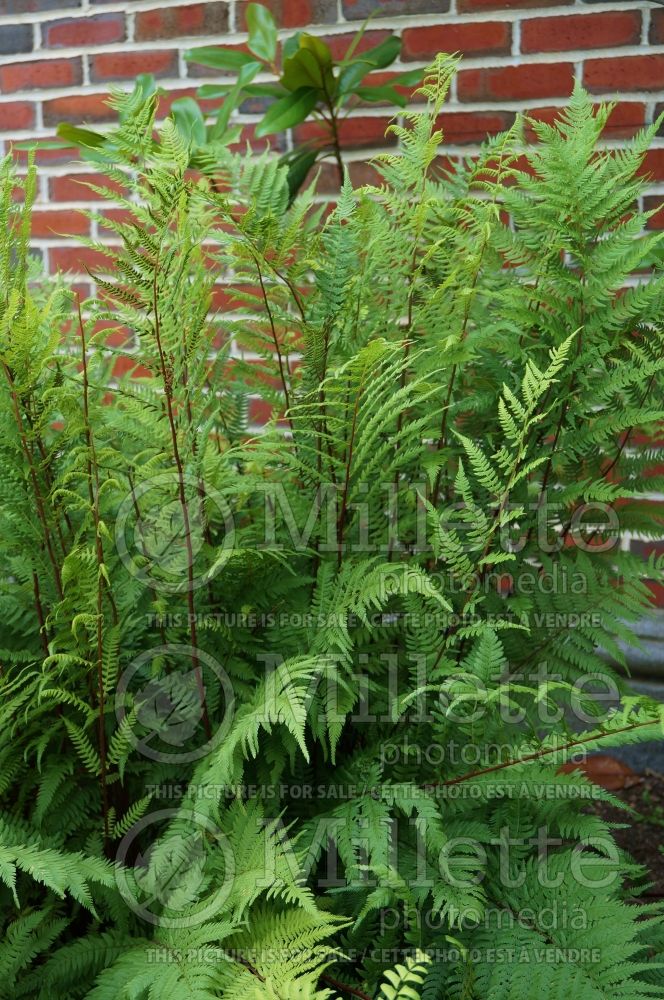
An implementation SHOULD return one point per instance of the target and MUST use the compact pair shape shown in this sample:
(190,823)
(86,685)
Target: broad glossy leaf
(290,46)
(265,90)
(216,131)
(80,136)
(290,110)
(319,48)
(352,73)
(262,32)
(407,79)
(302,70)
(219,58)
(189,120)
(384,54)
(299,166)
(384,93)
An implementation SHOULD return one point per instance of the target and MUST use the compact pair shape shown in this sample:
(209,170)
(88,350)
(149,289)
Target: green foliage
(305,81)
(283,711)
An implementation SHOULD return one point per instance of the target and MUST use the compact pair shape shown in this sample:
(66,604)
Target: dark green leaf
(301,70)
(408,79)
(385,93)
(290,46)
(290,110)
(310,66)
(384,54)
(262,32)
(265,90)
(248,72)
(224,113)
(318,48)
(80,136)
(299,166)
(379,57)
(219,58)
(352,75)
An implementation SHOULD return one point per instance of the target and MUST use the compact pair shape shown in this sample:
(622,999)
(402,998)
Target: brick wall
(58,57)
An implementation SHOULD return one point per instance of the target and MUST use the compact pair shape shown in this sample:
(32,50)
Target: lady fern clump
(284,708)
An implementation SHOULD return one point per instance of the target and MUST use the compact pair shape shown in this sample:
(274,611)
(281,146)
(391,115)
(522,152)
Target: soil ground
(645,834)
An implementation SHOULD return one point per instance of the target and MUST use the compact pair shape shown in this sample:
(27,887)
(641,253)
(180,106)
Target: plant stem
(39,500)
(167,378)
(93,490)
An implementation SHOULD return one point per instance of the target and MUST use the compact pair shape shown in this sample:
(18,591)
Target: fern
(283,714)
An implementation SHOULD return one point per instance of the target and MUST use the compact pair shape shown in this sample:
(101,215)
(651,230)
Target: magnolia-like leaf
(291,45)
(217,57)
(80,136)
(377,58)
(299,166)
(290,110)
(309,66)
(262,32)
(376,94)
(384,54)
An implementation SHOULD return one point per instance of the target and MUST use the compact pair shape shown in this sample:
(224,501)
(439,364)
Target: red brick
(77,259)
(174,22)
(626,119)
(73,187)
(645,548)
(657,591)
(123,215)
(78,108)
(294,13)
(126,65)
(16,115)
(43,156)
(460,127)
(129,363)
(470,39)
(84,31)
(328,181)
(653,164)
(40,75)
(657,27)
(516,83)
(339,43)
(581,31)
(59,222)
(353,132)
(259,411)
(225,297)
(656,203)
(469,5)
(166,101)
(196,69)
(247,137)
(628,73)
